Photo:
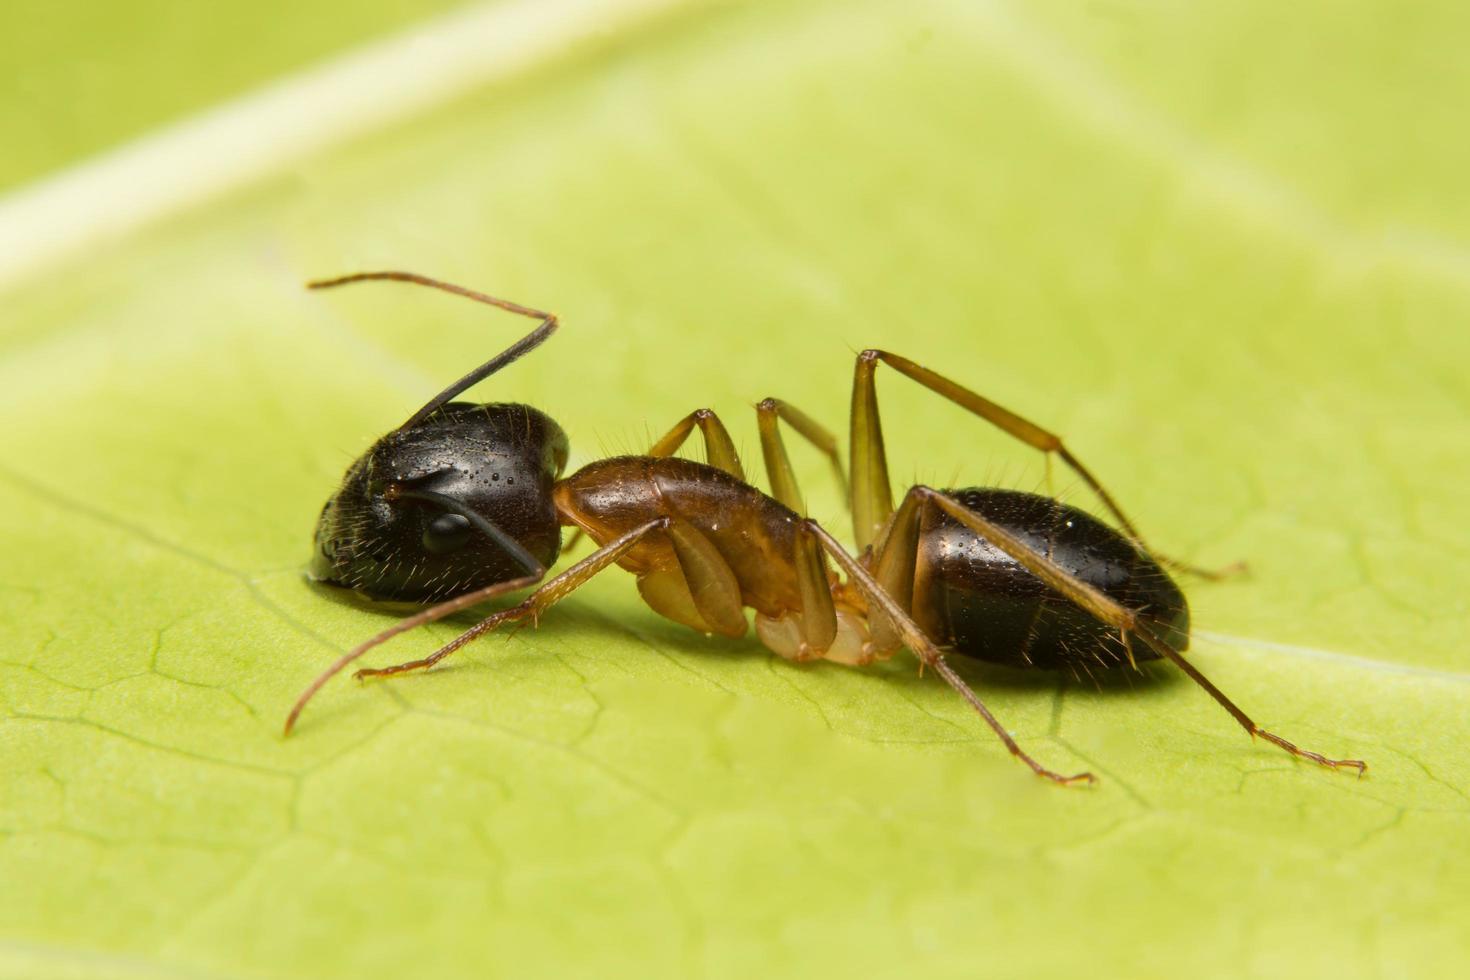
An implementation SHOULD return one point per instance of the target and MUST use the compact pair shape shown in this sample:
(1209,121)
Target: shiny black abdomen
(977,600)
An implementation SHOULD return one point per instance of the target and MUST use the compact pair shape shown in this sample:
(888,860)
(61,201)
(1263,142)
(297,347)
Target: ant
(465,502)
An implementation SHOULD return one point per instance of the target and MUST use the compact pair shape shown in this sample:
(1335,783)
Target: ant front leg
(1088,597)
(534,605)
(532,608)
(872,497)
(430,615)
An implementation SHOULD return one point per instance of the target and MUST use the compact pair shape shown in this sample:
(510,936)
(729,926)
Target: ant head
(448,504)
(455,499)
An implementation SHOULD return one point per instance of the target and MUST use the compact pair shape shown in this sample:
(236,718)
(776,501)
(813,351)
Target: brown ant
(464,502)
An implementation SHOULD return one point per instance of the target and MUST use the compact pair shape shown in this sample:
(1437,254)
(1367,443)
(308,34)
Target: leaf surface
(1201,247)
(85,76)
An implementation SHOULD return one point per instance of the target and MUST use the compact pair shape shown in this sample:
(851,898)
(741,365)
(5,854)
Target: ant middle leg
(720,452)
(1088,597)
(701,590)
(817,629)
(769,413)
(872,497)
(719,449)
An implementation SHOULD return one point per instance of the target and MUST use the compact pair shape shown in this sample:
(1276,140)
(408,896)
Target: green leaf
(84,76)
(1222,249)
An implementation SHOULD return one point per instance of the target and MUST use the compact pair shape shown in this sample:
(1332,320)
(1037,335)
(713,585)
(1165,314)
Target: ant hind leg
(872,497)
(883,607)
(1108,610)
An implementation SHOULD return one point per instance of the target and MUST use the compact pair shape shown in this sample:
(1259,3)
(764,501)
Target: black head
(457,498)
(410,520)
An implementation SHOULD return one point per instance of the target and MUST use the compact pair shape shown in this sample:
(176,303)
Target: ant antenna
(508,544)
(512,353)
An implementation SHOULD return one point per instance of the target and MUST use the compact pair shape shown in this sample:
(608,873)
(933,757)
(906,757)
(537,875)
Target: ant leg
(513,548)
(535,604)
(702,592)
(429,615)
(928,653)
(818,612)
(718,447)
(510,546)
(719,450)
(721,453)
(1102,606)
(543,597)
(872,498)
(825,622)
(773,448)
(512,353)
(894,562)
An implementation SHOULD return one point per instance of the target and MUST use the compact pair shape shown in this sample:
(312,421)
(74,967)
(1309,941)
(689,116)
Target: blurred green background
(1221,247)
(82,77)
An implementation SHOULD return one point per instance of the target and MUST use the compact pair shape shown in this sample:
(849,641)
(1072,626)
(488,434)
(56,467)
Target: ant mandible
(465,502)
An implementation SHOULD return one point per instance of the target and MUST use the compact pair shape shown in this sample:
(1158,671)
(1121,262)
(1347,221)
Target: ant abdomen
(978,600)
(403,525)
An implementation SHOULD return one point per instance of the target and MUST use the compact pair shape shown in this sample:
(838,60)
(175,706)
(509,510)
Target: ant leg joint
(871,354)
(924,493)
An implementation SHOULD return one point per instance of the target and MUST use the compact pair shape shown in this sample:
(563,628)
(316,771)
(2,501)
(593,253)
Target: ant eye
(446,533)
